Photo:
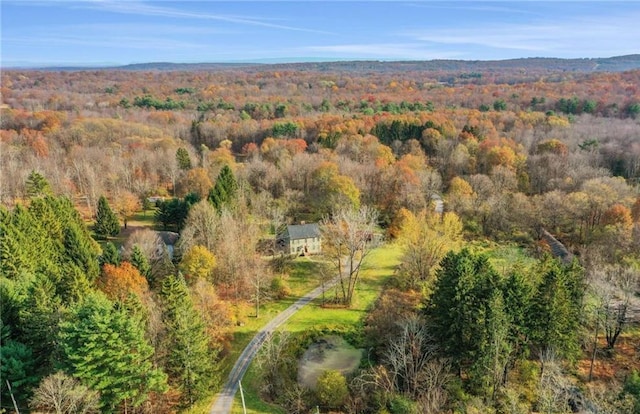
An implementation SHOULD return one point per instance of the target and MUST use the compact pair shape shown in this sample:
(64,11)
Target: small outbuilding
(300,239)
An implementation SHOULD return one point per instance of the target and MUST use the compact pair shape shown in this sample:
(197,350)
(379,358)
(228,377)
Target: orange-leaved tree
(117,282)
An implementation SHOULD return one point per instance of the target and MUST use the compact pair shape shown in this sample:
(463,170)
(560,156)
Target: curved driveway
(224,400)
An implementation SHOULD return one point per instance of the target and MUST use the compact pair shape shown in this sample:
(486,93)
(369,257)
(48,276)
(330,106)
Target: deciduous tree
(332,389)
(62,394)
(197,262)
(117,282)
(348,237)
(425,239)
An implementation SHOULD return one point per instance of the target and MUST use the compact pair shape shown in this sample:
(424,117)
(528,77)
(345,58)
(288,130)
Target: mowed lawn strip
(378,267)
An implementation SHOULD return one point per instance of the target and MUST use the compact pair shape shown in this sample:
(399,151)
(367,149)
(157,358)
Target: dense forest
(100,315)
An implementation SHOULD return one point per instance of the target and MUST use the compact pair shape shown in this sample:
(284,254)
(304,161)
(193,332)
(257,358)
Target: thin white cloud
(474,6)
(115,28)
(140,8)
(132,42)
(600,36)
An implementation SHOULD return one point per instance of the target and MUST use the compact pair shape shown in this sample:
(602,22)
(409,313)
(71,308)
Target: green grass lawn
(378,268)
(504,257)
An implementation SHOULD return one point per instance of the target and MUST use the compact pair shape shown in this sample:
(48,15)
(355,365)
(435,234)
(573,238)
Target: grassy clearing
(378,268)
(137,221)
(504,257)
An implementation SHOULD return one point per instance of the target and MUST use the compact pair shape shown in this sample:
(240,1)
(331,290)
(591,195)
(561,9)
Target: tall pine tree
(225,189)
(37,185)
(459,305)
(183,159)
(107,223)
(140,261)
(555,309)
(189,360)
(110,255)
(105,347)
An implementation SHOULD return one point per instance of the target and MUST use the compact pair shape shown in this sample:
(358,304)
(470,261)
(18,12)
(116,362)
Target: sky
(118,32)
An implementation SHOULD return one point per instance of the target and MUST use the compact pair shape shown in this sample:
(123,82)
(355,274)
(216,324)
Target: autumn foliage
(120,281)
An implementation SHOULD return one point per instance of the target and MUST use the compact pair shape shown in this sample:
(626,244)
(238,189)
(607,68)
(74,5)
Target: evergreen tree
(105,347)
(494,348)
(110,255)
(39,317)
(183,159)
(139,260)
(36,185)
(18,367)
(517,291)
(555,310)
(190,359)
(21,244)
(81,251)
(458,306)
(107,223)
(174,212)
(225,189)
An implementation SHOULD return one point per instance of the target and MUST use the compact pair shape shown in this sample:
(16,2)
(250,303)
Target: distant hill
(612,64)
(169,66)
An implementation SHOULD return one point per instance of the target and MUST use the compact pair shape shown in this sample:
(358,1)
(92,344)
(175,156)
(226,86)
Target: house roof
(557,248)
(169,238)
(303,231)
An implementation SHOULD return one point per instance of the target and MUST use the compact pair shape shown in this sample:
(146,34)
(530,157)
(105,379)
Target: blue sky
(36,32)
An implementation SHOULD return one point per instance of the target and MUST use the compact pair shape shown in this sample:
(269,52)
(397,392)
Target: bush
(400,404)
(279,288)
(332,390)
(632,388)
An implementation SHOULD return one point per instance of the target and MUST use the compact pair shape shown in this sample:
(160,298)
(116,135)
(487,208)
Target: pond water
(328,353)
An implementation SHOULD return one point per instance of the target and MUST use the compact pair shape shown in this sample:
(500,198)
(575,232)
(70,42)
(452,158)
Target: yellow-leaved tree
(198,262)
(425,239)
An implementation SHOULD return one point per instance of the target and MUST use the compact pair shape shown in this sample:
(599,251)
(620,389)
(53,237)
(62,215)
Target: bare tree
(201,227)
(616,309)
(553,389)
(235,251)
(348,237)
(407,357)
(148,241)
(614,287)
(62,394)
(260,279)
(273,362)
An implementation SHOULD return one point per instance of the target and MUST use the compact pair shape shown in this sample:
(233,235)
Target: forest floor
(613,366)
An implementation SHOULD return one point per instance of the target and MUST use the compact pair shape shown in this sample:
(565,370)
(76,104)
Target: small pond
(328,353)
